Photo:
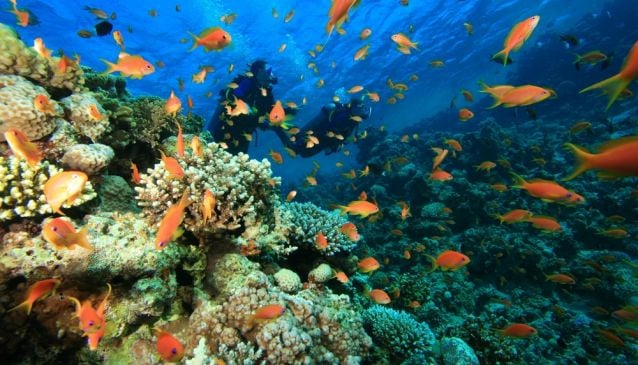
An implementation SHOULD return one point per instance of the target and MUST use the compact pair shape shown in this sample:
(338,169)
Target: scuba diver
(248,100)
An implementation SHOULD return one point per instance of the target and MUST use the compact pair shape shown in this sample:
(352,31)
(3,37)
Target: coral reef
(116,195)
(22,189)
(91,158)
(288,281)
(86,115)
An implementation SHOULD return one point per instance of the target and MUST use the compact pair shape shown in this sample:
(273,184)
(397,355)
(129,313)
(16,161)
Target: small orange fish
(94,113)
(119,39)
(614,233)
(617,158)
(517,36)
(548,191)
(289,16)
(361,53)
(277,116)
(276,157)
(350,230)
(365,33)
(441,153)
(360,208)
(544,223)
(214,38)
(465,114)
(38,290)
(514,216)
(23,17)
(467,95)
(615,85)
(22,148)
(135,174)
(267,313)
(312,181)
(440,175)
(64,187)
(518,330)
(368,264)
(341,277)
(449,260)
(403,40)
(485,166)
(338,14)
(363,195)
(627,314)
(172,166)
(414,304)
(92,320)
(43,104)
(374,97)
(131,66)
(41,49)
(291,195)
(522,96)
(560,279)
(405,210)
(171,221)
(379,296)
(61,234)
(173,105)
(200,76)
(321,241)
(196,146)
(208,206)
(407,255)
(499,187)
(168,347)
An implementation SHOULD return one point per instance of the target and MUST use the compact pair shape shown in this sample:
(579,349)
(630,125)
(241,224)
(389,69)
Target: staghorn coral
(91,158)
(78,112)
(17,108)
(244,190)
(22,189)
(399,333)
(307,220)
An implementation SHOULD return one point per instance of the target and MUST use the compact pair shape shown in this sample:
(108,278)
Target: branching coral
(22,189)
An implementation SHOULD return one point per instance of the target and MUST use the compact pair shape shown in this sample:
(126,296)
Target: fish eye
(162,243)
(91,323)
(54,229)
(174,351)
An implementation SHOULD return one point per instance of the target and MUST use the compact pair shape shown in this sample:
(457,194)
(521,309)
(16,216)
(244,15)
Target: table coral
(22,189)
(17,108)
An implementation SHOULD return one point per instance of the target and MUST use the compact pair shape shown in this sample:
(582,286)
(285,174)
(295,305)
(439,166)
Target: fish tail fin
(583,160)
(612,86)
(505,54)
(195,42)
(343,209)
(110,67)
(82,238)
(185,201)
(434,265)
(78,305)
(27,305)
(519,181)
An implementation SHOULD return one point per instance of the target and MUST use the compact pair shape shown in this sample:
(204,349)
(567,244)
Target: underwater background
(329,182)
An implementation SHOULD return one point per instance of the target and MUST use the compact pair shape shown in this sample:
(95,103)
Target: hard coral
(78,109)
(92,158)
(22,189)
(17,108)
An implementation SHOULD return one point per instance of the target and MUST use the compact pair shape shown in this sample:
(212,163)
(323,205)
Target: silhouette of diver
(235,122)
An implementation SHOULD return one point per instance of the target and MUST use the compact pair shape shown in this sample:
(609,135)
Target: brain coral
(21,189)
(17,108)
(320,274)
(288,280)
(90,158)
(78,107)
(243,188)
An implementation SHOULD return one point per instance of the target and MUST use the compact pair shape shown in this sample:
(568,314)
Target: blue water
(437,25)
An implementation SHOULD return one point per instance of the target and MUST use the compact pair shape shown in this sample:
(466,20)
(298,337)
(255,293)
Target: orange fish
(485,166)
(38,290)
(92,320)
(117,36)
(403,40)
(610,338)
(321,241)
(135,174)
(522,96)
(171,221)
(361,53)
(560,279)
(548,191)
(441,153)
(518,330)
(291,195)
(276,156)
(517,37)
(179,142)
(214,38)
(41,49)
(449,260)
(405,210)
(338,13)
(360,208)
(277,116)
(22,148)
(196,146)
(168,347)
(615,158)
(94,113)
(365,33)
(64,187)
(43,104)
(61,234)
(368,264)
(64,63)
(312,181)
(379,296)
(627,314)
(200,77)
(172,166)
(267,313)
(350,230)
(499,187)
(614,233)
(208,206)
(173,105)
(467,94)
(341,277)
(414,304)
(496,91)
(544,223)
(514,216)
(465,114)
(615,85)
(440,175)
(127,65)
(23,17)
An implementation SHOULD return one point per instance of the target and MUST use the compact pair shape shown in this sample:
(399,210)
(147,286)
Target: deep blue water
(437,27)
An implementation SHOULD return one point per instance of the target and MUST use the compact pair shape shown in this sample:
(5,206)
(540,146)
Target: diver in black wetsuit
(331,126)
